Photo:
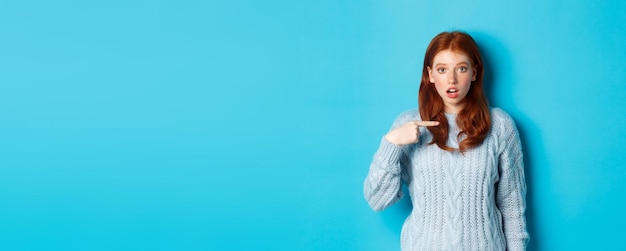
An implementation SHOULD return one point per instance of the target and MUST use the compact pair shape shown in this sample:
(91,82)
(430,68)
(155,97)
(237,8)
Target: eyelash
(460,69)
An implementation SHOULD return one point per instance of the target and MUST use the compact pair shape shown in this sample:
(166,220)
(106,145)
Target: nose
(452,78)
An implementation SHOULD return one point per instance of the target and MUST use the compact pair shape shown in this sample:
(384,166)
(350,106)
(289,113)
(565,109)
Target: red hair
(474,119)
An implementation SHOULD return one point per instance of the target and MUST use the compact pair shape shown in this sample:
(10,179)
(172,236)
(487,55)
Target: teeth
(452,91)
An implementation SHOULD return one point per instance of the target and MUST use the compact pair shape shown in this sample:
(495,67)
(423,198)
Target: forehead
(450,57)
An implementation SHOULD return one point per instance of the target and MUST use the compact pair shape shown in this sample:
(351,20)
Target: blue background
(250,125)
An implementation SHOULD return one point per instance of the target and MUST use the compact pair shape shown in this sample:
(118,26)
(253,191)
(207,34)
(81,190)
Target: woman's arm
(511,189)
(383,183)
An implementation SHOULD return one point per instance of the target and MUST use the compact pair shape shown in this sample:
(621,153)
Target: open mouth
(452,93)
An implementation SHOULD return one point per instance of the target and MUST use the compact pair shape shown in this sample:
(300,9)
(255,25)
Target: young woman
(460,159)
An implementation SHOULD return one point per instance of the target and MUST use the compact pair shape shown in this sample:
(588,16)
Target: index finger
(427,123)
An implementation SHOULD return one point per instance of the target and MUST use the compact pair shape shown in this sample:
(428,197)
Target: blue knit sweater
(474,201)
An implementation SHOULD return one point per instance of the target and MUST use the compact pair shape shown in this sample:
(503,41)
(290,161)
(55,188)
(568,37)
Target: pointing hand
(408,133)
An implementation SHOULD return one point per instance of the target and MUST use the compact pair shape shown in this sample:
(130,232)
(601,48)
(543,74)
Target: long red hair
(474,119)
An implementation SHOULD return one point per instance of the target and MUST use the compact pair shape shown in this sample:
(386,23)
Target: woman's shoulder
(499,115)
(406,116)
(501,120)
(410,114)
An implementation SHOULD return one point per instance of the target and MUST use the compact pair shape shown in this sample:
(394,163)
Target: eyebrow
(456,64)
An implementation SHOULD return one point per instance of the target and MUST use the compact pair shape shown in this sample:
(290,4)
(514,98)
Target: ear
(473,74)
(430,75)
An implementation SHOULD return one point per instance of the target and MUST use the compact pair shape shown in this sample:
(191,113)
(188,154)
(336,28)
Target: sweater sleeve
(383,184)
(511,188)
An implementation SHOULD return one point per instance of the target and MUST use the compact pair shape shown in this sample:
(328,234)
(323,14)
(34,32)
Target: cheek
(439,79)
(439,84)
(466,81)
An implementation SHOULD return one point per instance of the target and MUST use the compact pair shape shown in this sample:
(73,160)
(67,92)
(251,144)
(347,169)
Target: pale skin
(452,74)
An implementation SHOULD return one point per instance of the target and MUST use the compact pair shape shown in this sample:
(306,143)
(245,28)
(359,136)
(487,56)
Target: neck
(453,109)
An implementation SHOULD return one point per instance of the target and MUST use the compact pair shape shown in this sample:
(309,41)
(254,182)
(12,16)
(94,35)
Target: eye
(462,69)
(441,70)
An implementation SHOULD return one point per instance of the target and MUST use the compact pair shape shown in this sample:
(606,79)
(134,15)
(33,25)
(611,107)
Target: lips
(452,92)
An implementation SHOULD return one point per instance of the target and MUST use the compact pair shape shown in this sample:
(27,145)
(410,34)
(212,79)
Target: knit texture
(470,201)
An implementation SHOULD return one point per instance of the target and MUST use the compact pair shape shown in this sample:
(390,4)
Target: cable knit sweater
(474,201)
